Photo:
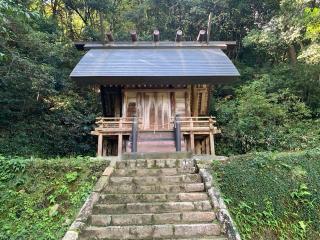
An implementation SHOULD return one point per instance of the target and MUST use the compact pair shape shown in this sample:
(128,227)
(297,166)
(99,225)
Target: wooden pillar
(100,144)
(104,147)
(203,146)
(212,151)
(207,145)
(192,142)
(120,144)
(198,147)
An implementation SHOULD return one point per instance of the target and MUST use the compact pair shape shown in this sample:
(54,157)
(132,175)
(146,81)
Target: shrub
(273,195)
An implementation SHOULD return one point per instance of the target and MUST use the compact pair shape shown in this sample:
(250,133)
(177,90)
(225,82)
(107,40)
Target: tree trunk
(292,55)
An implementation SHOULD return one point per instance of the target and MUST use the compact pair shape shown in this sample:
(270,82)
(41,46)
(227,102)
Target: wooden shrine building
(155,95)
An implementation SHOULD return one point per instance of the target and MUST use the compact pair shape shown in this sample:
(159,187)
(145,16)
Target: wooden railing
(114,124)
(124,124)
(197,123)
(188,127)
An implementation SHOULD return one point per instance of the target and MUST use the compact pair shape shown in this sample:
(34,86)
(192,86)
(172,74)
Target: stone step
(154,207)
(155,163)
(152,180)
(158,197)
(192,238)
(157,188)
(170,231)
(152,218)
(140,172)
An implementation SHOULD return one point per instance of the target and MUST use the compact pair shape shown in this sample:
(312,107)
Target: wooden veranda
(191,128)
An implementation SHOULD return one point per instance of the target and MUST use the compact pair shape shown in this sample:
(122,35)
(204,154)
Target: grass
(39,198)
(273,195)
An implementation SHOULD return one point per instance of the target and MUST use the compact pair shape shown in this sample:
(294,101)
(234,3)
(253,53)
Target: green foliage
(42,111)
(273,195)
(40,198)
(265,116)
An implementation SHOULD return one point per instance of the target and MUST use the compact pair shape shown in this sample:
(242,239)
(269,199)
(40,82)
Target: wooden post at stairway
(211,136)
(120,139)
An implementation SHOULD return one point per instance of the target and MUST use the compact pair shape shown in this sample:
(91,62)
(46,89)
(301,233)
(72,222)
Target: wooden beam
(100,145)
(201,36)
(150,44)
(110,37)
(134,36)
(179,36)
(209,27)
(156,36)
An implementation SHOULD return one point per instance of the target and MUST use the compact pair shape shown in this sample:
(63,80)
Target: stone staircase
(153,199)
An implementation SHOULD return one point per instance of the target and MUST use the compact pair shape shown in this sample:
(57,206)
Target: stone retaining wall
(86,210)
(213,191)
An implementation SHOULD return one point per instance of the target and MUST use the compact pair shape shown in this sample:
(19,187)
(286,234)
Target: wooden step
(156,135)
(152,232)
(168,155)
(153,197)
(157,188)
(153,207)
(152,218)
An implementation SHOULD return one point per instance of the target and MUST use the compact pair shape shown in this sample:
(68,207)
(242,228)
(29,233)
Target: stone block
(109,208)
(133,219)
(108,171)
(194,187)
(170,179)
(121,180)
(100,220)
(70,235)
(168,171)
(162,231)
(166,218)
(160,163)
(192,196)
(141,232)
(102,182)
(203,205)
(198,216)
(193,230)
(171,163)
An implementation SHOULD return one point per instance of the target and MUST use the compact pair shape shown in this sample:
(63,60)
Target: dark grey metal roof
(154,66)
